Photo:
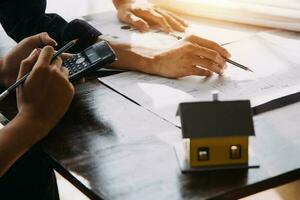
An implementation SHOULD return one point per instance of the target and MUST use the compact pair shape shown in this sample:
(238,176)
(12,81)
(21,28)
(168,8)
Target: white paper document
(273,56)
(269,13)
(220,32)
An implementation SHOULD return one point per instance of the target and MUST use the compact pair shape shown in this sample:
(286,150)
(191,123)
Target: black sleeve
(21,19)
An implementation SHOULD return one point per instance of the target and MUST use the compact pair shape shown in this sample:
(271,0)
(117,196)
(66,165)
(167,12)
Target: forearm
(132,59)
(16,138)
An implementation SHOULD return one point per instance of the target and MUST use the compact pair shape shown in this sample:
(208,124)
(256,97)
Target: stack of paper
(275,14)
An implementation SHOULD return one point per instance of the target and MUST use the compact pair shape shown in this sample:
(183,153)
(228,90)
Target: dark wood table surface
(111,148)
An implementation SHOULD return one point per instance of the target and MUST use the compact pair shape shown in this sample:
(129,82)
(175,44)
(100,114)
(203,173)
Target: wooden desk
(111,148)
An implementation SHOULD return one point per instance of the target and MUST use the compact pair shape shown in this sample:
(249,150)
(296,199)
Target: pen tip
(250,70)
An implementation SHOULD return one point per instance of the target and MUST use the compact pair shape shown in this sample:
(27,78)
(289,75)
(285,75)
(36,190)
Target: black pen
(14,86)
(238,65)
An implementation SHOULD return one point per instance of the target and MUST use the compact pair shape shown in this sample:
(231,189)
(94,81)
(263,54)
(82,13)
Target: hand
(47,93)
(142,15)
(192,55)
(11,62)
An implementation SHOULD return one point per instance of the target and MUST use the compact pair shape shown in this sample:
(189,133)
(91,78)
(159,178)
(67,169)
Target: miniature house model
(216,133)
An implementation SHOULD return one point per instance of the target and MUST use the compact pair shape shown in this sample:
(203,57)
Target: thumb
(46,39)
(28,63)
(39,40)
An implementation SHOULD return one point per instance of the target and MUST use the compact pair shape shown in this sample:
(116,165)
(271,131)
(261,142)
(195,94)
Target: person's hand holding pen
(47,93)
(191,55)
(42,101)
(10,63)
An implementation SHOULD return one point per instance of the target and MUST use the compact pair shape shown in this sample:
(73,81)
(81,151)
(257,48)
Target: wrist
(134,61)
(16,138)
(35,128)
(130,58)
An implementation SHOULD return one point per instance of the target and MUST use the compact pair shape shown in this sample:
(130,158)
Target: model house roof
(216,119)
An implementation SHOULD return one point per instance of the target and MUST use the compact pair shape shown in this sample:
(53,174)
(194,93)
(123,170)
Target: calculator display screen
(92,55)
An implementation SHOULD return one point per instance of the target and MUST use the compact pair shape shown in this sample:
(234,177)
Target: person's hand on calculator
(10,63)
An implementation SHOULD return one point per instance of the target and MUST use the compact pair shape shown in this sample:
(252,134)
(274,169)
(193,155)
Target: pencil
(238,65)
(14,86)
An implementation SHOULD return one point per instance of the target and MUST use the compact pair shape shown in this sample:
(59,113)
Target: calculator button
(80,60)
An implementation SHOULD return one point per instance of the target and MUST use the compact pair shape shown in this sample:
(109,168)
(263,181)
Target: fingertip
(65,71)
(48,48)
(179,19)
(180,28)
(28,63)
(34,52)
(33,56)
(141,25)
(185,24)
(66,56)
(47,40)
(226,54)
(52,42)
(169,30)
(47,51)
(221,71)
(59,58)
(216,68)
(208,73)
(46,55)
(38,50)
(57,62)
(182,22)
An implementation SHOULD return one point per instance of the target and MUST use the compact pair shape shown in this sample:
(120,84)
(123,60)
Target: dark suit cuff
(83,31)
